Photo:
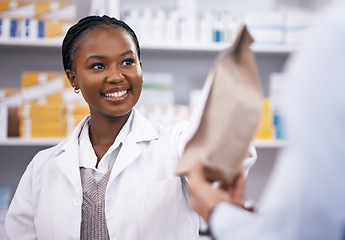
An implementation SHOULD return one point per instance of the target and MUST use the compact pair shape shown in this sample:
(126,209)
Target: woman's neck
(103,132)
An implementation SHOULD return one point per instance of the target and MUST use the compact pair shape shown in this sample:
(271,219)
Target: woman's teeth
(115,94)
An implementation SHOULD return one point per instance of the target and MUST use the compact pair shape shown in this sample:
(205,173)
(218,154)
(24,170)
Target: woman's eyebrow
(127,52)
(94,57)
(102,57)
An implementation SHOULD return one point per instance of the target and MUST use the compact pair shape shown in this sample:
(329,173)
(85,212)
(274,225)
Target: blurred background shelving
(187,62)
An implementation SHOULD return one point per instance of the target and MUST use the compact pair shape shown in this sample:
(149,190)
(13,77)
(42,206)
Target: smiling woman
(108,72)
(113,177)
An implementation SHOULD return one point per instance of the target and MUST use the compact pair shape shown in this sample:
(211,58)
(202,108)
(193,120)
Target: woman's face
(107,71)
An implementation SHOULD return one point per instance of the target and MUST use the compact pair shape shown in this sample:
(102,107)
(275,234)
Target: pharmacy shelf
(218,47)
(56,43)
(157,47)
(14,141)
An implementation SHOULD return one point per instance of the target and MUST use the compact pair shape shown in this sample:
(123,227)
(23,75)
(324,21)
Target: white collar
(142,130)
(87,156)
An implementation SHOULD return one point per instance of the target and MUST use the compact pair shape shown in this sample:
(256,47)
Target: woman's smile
(116,96)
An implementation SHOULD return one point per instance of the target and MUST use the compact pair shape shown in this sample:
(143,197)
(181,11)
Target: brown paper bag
(230,115)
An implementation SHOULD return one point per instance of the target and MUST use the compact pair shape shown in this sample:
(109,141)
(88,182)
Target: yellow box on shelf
(55,28)
(265,129)
(43,124)
(10,4)
(77,109)
(4,5)
(42,133)
(41,7)
(62,10)
(46,110)
(54,98)
(30,79)
(38,9)
(74,114)
(38,120)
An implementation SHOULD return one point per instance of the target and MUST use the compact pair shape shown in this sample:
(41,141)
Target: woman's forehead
(107,38)
(106,32)
(105,41)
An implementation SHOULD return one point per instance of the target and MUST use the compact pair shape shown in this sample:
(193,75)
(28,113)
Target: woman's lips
(116,96)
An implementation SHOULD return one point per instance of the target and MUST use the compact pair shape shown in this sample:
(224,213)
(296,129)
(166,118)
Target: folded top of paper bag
(226,120)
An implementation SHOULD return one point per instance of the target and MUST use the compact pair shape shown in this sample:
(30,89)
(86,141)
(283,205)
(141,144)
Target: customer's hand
(204,196)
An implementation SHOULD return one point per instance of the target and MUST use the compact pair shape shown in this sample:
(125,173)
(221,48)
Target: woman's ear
(72,79)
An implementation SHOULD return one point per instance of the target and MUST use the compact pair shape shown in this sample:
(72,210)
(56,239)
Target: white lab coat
(143,199)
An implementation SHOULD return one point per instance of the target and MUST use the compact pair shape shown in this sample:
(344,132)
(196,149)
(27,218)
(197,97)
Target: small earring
(76,90)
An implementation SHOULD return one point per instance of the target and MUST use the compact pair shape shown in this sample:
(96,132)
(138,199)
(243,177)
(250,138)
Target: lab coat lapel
(141,131)
(129,152)
(67,158)
(68,162)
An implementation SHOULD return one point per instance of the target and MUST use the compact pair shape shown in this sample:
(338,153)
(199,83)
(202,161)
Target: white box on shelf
(204,28)
(187,31)
(29,29)
(219,28)
(157,89)
(157,22)
(130,16)
(4,28)
(267,37)
(264,19)
(170,27)
(267,28)
(3,120)
(297,25)
(143,31)
(232,24)
(187,8)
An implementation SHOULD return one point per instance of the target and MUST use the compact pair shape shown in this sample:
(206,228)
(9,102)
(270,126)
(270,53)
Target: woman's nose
(115,76)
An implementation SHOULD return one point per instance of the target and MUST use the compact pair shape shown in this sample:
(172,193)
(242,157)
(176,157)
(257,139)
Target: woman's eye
(97,66)
(128,62)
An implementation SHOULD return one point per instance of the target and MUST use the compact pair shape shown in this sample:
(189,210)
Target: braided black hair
(83,27)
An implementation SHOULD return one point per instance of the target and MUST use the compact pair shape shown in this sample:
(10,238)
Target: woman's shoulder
(46,155)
